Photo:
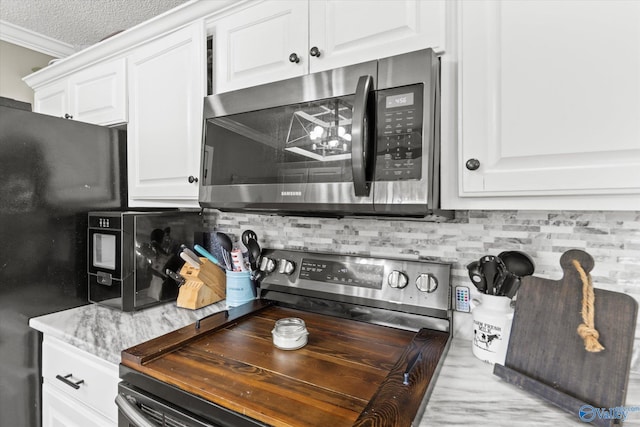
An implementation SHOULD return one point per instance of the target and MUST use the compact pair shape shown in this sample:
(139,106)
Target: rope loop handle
(587,329)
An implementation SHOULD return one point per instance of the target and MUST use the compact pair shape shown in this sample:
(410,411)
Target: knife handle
(189,260)
(191,254)
(205,253)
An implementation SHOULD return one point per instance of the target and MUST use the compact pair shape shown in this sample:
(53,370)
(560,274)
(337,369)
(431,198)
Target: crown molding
(35,41)
(123,43)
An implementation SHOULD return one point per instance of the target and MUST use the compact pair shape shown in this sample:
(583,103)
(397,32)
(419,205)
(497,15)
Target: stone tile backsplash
(612,238)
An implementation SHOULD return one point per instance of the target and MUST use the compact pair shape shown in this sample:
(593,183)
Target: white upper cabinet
(275,40)
(96,94)
(549,101)
(350,32)
(166,91)
(260,44)
(52,99)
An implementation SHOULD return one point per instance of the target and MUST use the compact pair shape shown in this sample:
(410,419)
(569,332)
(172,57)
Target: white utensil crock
(492,317)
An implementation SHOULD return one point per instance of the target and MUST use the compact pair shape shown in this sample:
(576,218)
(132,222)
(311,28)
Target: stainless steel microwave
(359,140)
(130,251)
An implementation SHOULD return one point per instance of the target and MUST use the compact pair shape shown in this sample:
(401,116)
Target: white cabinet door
(166,91)
(52,99)
(98,94)
(59,410)
(254,45)
(96,380)
(353,31)
(550,98)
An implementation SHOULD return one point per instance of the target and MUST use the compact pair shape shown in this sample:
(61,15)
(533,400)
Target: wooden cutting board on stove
(349,374)
(547,357)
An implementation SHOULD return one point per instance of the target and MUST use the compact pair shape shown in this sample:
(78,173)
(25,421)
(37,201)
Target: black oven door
(138,409)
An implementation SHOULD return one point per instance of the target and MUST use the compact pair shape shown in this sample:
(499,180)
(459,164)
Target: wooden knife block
(203,286)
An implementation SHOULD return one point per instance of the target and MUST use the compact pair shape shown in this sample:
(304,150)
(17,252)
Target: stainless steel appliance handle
(131,413)
(361,136)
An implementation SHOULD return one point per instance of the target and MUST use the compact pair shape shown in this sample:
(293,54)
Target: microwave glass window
(104,251)
(302,143)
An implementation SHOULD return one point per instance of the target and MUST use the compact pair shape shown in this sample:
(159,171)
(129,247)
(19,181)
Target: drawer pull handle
(65,380)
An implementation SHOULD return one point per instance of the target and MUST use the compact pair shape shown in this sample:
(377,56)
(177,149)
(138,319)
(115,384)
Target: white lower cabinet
(78,388)
(60,410)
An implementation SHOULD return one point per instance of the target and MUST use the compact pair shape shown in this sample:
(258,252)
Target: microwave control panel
(399,133)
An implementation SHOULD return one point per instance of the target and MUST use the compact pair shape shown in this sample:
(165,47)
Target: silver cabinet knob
(192,179)
(315,52)
(426,283)
(286,267)
(294,58)
(397,279)
(267,265)
(472,164)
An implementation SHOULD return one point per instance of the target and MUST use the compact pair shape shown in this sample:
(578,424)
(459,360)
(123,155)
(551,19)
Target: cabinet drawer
(80,375)
(58,409)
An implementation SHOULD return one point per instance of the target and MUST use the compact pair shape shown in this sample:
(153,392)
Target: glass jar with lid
(290,333)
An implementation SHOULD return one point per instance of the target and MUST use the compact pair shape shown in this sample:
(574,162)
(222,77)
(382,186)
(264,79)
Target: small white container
(492,317)
(290,333)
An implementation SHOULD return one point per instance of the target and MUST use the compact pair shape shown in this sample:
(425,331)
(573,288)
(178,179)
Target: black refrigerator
(52,172)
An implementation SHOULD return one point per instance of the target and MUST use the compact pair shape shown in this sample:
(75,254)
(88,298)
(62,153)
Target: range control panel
(404,285)
(342,273)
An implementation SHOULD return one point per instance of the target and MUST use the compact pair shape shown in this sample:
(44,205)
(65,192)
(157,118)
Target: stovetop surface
(349,370)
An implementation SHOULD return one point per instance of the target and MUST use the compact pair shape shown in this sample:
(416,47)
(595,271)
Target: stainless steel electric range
(375,335)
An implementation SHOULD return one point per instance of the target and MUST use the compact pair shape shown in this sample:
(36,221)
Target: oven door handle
(362,136)
(131,413)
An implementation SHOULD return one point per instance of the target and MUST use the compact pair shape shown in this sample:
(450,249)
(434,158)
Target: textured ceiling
(81,23)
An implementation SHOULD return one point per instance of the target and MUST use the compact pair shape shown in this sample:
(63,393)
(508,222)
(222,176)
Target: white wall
(15,63)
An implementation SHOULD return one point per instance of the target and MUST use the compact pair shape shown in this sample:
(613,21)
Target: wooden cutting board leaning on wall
(547,357)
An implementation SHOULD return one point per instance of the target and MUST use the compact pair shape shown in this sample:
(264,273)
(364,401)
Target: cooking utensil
(227,246)
(476,276)
(249,234)
(518,264)
(510,285)
(501,275)
(238,260)
(254,253)
(490,270)
(205,253)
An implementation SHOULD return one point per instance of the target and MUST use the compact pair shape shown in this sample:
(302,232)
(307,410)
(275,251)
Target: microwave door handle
(361,136)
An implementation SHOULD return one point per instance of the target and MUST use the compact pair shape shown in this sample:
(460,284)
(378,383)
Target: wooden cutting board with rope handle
(546,354)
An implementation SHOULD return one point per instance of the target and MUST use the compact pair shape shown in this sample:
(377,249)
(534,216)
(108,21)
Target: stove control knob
(267,265)
(427,283)
(397,279)
(286,267)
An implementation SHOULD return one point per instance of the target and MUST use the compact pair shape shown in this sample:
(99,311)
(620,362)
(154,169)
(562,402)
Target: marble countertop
(466,391)
(105,332)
